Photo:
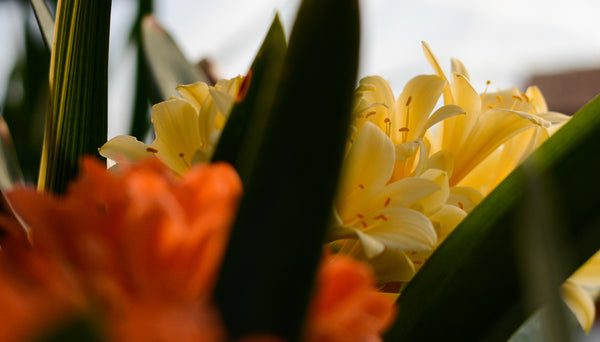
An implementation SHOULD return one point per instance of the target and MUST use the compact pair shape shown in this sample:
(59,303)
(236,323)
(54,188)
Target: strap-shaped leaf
(76,122)
(168,65)
(241,138)
(45,21)
(470,289)
(276,242)
(140,122)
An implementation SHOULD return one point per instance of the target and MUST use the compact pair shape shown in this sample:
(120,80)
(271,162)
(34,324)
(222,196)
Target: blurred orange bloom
(140,249)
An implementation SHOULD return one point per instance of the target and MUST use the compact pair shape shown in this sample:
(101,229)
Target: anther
(387,202)
(361,186)
(381,217)
(151,150)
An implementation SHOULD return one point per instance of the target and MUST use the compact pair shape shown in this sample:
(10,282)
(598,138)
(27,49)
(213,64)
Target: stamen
(360,216)
(518,98)
(364,224)
(182,156)
(388,126)
(408,101)
(381,217)
(151,150)
(370,114)
(361,186)
(526,97)
(499,98)
(487,85)
(460,205)
(387,202)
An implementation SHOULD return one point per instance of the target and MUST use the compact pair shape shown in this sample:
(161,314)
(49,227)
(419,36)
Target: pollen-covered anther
(499,98)
(527,99)
(360,216)
(387,201)
(151,150)
(361,186)
(408,100)
(403,129)
(461,205)
(370,114)
(518,98)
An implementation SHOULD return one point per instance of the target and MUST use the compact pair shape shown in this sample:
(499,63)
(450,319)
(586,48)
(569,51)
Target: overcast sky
(504,41)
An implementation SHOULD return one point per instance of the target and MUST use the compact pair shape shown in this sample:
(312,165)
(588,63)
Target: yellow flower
(379,221)
(187,127)
(391,202)
(497,132)
(577,289)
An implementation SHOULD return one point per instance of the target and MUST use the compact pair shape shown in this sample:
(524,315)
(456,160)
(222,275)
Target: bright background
(505,41)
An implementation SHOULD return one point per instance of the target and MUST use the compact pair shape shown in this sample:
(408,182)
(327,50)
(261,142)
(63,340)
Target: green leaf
(473,287)
(168,65)
(276,243)
(45,21)
(141,119)
(76,122)
(241,138)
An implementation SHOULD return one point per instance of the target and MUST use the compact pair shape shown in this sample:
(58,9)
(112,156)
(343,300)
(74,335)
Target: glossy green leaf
(472,288)
(76,123)
(168,65)
(45,21)
(276,243)
(241,138)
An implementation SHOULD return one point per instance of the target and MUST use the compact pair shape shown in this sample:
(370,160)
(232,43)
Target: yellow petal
(367,168)
(446,219)
(177,134)
(406,192)
(459,68)
(195,93)
(456,129)
(443,113)
(589,273)
(466,198)
(373,101)
(392,265)
(414,105)
(435,64)
(580,302)
(493,128)
(432,203)
(403,229)
(124,146)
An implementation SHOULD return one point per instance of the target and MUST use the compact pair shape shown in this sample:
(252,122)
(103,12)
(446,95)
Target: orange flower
(347,306)
(143,237)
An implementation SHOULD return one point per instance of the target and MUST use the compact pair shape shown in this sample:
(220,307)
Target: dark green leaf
(245,128)
(473,287)
(276,243)
(76,123)
(141,119)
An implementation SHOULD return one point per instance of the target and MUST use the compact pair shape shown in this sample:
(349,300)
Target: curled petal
(580,303)
(125,146)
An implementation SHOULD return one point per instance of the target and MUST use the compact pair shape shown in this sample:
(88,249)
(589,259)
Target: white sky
(504,41)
